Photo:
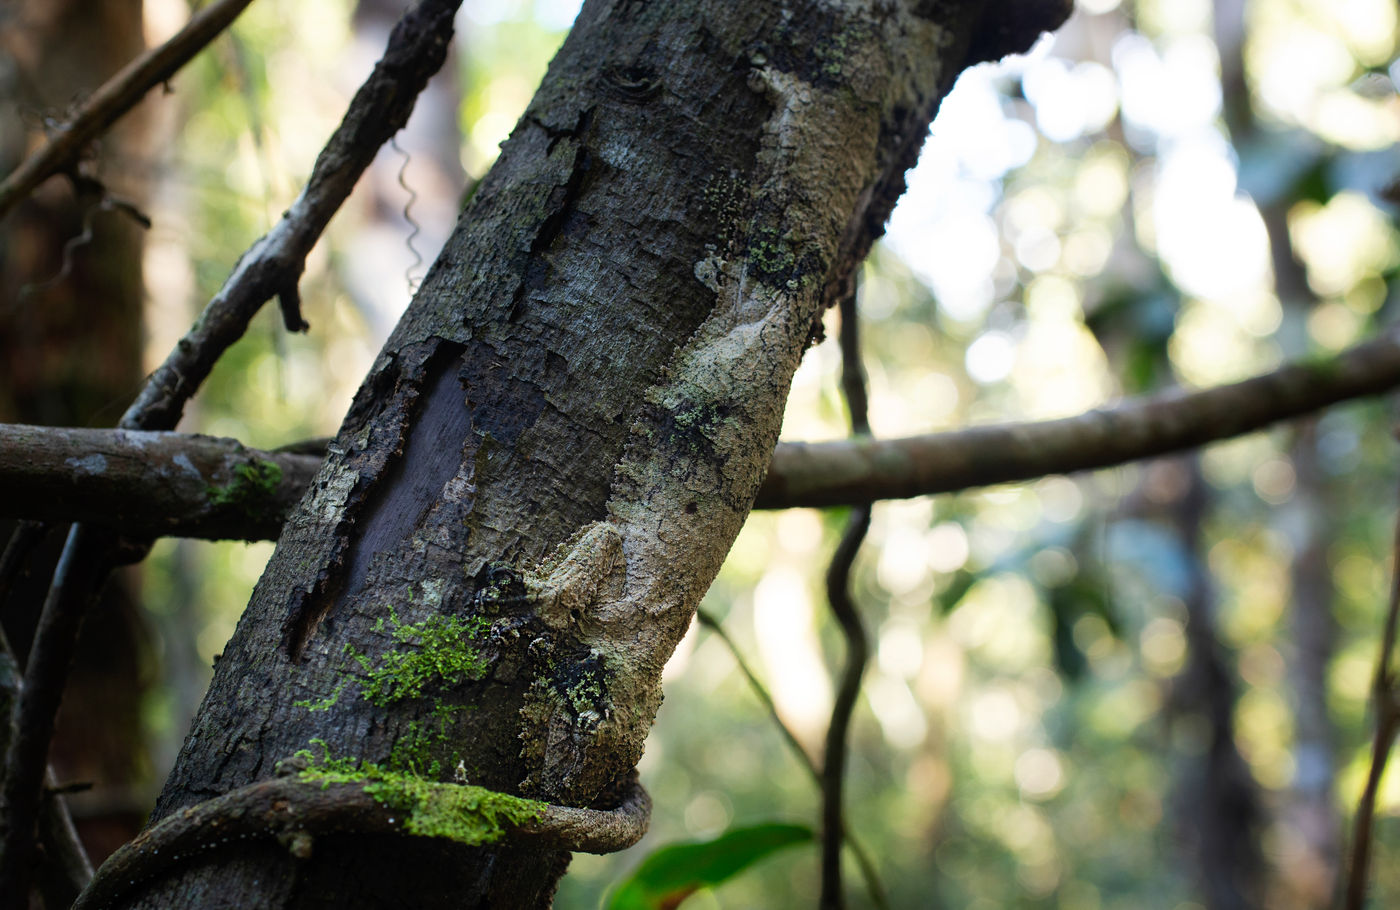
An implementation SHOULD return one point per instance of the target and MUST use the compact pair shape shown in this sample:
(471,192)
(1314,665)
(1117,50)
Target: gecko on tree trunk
(595,368)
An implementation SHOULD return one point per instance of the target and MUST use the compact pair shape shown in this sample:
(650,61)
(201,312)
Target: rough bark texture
(558,444)
(150,484)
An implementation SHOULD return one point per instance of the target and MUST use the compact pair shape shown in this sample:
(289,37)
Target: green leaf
(674,872)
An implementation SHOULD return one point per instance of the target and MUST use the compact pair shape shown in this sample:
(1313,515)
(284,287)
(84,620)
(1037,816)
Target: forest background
(1081,686)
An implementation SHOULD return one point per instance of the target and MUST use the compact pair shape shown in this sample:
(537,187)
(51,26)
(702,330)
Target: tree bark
(560,441)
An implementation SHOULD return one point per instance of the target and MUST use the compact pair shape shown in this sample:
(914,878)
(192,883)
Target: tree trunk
(70,349)
(560,441)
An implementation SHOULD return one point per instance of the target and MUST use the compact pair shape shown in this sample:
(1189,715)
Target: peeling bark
(557,446)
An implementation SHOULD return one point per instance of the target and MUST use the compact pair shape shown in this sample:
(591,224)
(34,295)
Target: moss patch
(440,652)
(324,704)
(412,751)
(771,254)
(457,812)
(251,489)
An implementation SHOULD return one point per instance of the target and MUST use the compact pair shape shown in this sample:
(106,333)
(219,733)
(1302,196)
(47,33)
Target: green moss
(834,50)
(770,253)
(412,751)
(831,53)
(324,704)
(251,489)
(458,812)
(441,652)
(326,766)
(587,692)
(429,658)
(463,813)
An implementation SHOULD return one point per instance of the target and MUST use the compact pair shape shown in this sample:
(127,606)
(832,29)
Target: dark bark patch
(404,474)
(634,84)
(813,48)
(501,405)
(376,390)
(687,430)
(580,680)
(1003,26)
(498,587)
(1011,28)
(431,454)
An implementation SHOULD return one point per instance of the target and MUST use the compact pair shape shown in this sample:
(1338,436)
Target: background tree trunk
(70,353)
(558,444)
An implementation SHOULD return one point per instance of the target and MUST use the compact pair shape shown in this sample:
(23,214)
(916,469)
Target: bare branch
(65,868)
(150,484)
(81,570)
(23,539)
(169,483)
(273,264)
(856,471)
(114,98)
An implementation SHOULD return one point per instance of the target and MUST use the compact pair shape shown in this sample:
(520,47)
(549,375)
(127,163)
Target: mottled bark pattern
(563,436)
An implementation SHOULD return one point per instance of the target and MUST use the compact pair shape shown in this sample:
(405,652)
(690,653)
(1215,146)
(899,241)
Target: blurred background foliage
(1141,688)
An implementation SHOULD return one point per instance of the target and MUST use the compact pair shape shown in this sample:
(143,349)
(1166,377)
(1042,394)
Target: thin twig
(114,98)
(65,868)
(712,623)
(838,583)
(294,810)
(272,266)
(1387,700)
(80,571)
(873,885)
(23,539)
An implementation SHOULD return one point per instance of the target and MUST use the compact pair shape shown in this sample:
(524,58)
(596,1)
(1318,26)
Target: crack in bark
(411,384)
(561,207)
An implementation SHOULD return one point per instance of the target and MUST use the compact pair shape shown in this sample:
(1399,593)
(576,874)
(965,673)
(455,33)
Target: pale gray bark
(562,437)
